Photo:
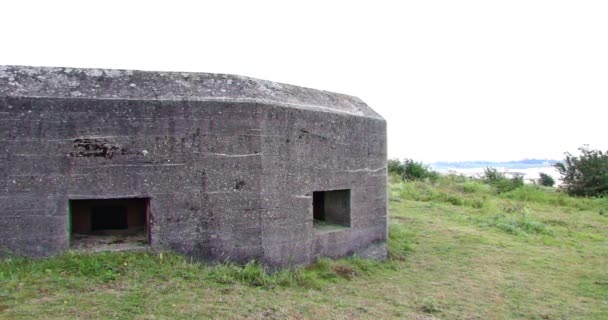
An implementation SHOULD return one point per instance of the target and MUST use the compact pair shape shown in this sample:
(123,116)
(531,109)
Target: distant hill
(519,164)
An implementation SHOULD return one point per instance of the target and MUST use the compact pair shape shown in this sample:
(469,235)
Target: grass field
(458,250)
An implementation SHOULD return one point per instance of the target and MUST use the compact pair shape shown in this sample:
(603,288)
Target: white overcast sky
(455,80)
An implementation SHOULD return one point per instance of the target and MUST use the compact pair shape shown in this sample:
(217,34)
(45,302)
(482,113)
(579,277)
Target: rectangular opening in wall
(109,224)
(331,208)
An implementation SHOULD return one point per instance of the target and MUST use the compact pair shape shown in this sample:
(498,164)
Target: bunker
(217,167)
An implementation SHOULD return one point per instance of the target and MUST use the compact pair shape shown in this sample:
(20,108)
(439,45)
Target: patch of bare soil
(344,271)
(110,240)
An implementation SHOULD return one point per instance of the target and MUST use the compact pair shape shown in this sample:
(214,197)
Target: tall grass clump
(522,225)
(400,241)
(551,196)
(314,276)
(517,220)
(254,274)
(530,193)
(251,273)
(442,192)
(83,271)
(473,186)
(91,268)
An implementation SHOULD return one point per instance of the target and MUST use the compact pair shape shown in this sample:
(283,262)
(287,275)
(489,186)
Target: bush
(491,175)
(430,305)
(500,182)
(395,167)
(410,170)
(585,175)
(546,180)
(472,187)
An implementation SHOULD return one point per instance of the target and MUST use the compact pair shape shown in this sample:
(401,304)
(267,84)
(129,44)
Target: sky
(455,80)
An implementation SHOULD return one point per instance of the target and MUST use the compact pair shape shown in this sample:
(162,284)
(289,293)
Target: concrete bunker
(228,168)
(109,223)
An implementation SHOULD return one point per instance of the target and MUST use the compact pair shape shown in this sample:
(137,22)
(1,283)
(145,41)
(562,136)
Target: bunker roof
(109,84)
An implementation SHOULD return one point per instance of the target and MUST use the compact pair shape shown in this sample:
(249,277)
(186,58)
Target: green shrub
(517,181)
(492,175)
(395,167)
(410,170)
(546,180)
(585,175)
(500,182)
(472,187)
(523,225)
(474,203)
(451,199)
(414,170)
(430,305)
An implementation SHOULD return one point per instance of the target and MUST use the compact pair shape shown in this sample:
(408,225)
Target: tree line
(583,175)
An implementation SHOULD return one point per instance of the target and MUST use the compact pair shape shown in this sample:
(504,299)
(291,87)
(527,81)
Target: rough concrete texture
(229,163)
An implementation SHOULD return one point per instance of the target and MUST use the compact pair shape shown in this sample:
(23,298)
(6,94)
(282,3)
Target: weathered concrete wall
(307,151)
(229,163)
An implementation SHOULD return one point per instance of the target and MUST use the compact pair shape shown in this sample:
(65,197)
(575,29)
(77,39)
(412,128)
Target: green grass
(457,250)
